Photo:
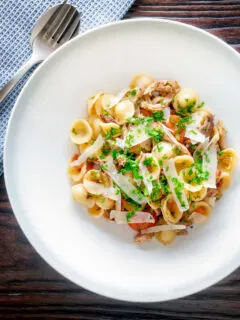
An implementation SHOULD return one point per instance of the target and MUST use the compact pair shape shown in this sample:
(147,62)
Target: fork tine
(57,21)
(51,20)
(65,24)
(71,31)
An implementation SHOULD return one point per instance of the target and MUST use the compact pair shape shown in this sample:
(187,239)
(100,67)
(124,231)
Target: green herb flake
(133,92)
(193,132)
(207,157)
(177,150)
(155,133)
(104,166)
(129,215)
(105,112)
(148,161)
(178,189)
(201,104)
(132,166)
(158,116)
(114,153)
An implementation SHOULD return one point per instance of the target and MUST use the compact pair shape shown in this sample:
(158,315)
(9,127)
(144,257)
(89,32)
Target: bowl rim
(36,241)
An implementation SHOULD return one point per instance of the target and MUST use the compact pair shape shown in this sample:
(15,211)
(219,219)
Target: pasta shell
(105,203)
(92,102)
(95,123)
(224,182)
(170,211)
(97,176)
(197,195)
(201,207)
(123,111)
(166,237)
(183,162)
(81,132)
(107,127)
(141,81)
(103,103)
(96,211)
(80,195)
(186,101)
(163,150)
(153,167)
(187,176)
(76,173)
(227,160)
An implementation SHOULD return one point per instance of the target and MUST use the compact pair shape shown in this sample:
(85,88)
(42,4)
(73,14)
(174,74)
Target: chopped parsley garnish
(178,189)
(140,120)
(105,112)
(156,133)
(112,132)
(167,168)
(129,215)
(103,200)
(207,157)
(133,167)
(158,116)
(117,191)
(114,153)
(129,139)
(104,166)
(133,92)
(160,148)
(220,153)
(183,111)
(177,150)
(183,122)
(201,105)
(148,161)
(193,132)
(104,152)
(197,173)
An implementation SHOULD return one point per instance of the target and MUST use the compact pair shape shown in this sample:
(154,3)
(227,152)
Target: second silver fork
(55,27)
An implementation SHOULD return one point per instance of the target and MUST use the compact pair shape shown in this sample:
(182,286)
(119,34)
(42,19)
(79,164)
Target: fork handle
(8,87)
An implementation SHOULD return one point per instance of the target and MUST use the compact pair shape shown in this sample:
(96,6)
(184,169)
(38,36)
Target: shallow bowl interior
(95,254)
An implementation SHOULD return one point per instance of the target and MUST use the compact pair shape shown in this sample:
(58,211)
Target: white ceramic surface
(95,254)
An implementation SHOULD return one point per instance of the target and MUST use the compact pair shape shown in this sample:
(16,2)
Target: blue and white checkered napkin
(17,18)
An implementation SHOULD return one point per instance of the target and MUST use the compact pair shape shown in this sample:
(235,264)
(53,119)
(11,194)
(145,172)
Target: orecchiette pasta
(123,111)
(170,210)
(197,195)
(80,195)
(227,160)
(151,157)
(166,237)
(76,173)
(81,132)
(141,81)
(96,211)
(183,162)
(92,102)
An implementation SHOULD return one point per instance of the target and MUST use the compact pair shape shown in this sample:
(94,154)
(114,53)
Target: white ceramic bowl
(95,254)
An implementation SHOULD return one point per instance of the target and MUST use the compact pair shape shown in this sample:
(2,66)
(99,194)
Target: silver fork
(56,26)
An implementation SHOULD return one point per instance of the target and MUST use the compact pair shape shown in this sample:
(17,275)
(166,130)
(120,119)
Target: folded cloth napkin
(17,17)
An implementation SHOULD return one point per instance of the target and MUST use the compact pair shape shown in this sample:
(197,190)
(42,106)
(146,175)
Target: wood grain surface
(30,289)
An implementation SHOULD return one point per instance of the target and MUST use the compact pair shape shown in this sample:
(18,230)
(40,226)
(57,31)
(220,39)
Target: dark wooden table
(30,289)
